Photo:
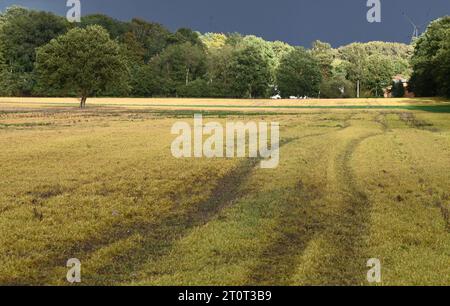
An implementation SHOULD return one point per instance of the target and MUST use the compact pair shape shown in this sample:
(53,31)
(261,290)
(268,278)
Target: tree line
(41,54)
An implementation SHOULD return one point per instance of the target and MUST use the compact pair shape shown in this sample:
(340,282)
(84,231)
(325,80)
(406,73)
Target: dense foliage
(161,63)
(431,60)
(83,61)
(299,75)
(22,31)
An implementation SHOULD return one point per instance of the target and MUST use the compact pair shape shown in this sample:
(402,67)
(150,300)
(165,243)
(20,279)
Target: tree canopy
(250,73)
(186,63)
(21,33)
(175,67)
(374,64)
(114,27)
(431,60)
(377,74)
(325,55)
(214,41)
(83,61)
(299,74)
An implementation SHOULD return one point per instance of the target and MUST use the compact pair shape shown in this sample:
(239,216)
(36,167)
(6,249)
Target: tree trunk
(83,102)
(358,89)
(187,76)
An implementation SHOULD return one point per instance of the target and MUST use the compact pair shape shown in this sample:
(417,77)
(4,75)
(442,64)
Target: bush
(337,88)
(195,89)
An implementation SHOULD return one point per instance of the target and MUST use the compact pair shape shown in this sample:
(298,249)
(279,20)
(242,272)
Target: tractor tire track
(297,225)
(348,228)
(301,222)
(159,235)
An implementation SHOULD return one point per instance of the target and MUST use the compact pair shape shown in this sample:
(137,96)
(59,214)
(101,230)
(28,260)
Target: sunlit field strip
(432,105)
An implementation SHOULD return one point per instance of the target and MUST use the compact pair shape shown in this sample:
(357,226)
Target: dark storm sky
(297,22)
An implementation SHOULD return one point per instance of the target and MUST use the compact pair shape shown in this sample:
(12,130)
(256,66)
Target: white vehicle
(293,98)
(276,97)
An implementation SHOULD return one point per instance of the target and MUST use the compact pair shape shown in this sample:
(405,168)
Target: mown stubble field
(102,186)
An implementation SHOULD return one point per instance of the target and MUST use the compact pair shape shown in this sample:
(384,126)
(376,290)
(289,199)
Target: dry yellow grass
(101,185)
(222,104)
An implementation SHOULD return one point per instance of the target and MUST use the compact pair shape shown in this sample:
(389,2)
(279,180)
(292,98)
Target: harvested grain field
(356,180)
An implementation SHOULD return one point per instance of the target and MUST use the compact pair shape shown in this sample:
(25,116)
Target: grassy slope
(102,186)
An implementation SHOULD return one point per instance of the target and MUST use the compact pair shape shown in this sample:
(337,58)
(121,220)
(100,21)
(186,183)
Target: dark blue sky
(297,22)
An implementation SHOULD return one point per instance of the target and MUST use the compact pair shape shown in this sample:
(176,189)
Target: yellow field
(217,104)
(102,186)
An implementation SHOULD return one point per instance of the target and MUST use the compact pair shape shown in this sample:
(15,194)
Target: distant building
(397,79)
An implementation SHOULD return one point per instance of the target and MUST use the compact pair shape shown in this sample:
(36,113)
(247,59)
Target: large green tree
(431,60)
(250,73)
(175,67)
(222,52)
(443,71)
(153,37)
(359,61)
(219,73)
(377,74)
(23,31)
(325,55)
(132,49)
(82,61)
(299,74)
(265,49)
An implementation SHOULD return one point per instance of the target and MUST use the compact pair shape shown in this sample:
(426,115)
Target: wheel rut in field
(411,120)
(446,215)
(347,229)
(159,234)
(297,225)
(158,237)
(301,222)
